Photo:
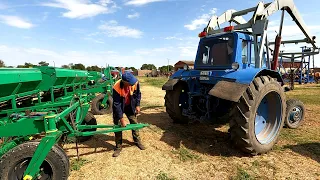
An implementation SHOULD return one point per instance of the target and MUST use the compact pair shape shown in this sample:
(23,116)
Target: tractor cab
(230,50)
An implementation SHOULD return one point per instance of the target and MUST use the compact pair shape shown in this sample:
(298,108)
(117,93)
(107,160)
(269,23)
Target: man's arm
(138,95)
(116,106)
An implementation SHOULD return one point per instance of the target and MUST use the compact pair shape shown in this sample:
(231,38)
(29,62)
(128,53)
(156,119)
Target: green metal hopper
(19,81)
(59,78)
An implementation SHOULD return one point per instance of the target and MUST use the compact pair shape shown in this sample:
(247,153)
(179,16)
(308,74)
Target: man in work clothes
(126,100)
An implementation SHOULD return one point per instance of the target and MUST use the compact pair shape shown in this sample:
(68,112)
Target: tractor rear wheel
(88,120)
(295,113)
(98,108)
(174,100)
(259,118)
(14,163)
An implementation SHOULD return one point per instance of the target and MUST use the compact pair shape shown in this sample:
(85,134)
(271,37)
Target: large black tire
(88,120)
(295,113)
(14,163)
(96,107)
(173,105)
(268,92)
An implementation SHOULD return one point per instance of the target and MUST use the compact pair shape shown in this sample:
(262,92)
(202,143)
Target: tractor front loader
(236,78)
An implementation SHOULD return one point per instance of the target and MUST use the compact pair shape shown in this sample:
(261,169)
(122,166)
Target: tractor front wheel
(174,101)
(295,113)
(100,109)
(14,163)
(259,118)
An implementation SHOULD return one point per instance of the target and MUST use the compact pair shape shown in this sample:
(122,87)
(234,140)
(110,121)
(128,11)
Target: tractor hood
(242,76)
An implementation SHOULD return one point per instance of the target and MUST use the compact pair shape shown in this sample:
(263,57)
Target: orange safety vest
(121,91)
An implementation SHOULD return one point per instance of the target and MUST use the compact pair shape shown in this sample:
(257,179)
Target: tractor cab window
(216,52)
(244,53)
(253,58)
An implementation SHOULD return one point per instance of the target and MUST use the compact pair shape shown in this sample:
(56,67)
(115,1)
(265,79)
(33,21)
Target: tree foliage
(78,66)
(26,65)
(43,63)
(2,64)
(148,67)
(94,68)
(164,69)
(66,66)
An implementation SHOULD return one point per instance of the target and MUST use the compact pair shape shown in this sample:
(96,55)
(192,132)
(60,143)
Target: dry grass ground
(197,151)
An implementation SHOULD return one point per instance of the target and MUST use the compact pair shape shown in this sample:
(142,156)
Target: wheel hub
(18,171)
(268,118)
(295,115)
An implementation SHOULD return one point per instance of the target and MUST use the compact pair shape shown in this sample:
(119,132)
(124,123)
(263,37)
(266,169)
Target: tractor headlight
(235,65)
(186,67)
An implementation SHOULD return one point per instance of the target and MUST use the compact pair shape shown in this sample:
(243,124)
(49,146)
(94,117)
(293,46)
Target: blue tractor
(235,79)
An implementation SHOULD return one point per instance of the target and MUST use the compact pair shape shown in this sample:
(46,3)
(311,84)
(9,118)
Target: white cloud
(112,29)
(292,31)
(94,40)
(141,2)
(83,8)
(15,21)
(133,16)
(173,38)
(153,52)
(45,16)
(201,20)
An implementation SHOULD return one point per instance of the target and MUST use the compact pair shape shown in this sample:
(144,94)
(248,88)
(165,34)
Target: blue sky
(119,32)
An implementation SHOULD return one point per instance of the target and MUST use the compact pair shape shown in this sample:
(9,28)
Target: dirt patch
(197,151)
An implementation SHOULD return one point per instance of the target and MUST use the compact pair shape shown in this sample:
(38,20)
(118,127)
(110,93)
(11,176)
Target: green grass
(163,176)
(153,81)
(242,175)
(308,95)
(185,154)
(77,164)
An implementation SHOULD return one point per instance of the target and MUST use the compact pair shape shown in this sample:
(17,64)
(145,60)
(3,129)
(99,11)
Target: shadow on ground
(203,138)
(311,150)
(98,141)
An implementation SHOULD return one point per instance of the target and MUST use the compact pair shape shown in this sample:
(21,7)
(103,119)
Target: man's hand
(137,109)
(123,122)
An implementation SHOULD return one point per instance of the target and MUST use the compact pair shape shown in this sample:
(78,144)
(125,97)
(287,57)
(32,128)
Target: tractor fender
(233,90)
(170,84)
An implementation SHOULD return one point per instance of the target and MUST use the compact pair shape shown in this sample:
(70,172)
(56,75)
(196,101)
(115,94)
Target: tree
(2,64)
(148,67)
(79,66)
(43,63)
(26,65)
(65,66)
(164,69)
(94,68)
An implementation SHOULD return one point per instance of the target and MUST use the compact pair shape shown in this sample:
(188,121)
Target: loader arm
(260,12)
(290,7)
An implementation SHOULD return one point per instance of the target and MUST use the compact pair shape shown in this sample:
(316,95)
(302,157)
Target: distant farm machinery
(39,107)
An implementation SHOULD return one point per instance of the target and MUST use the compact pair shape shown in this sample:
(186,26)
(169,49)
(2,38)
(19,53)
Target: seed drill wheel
(174,101)
(88,120)
(98,108)
(14,163)
(256,125)
(295,113)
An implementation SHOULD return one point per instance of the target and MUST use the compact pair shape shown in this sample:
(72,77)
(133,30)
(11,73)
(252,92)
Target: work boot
(140,145)
(116,152)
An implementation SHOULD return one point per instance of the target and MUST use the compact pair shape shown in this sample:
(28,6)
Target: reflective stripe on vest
(120,91)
